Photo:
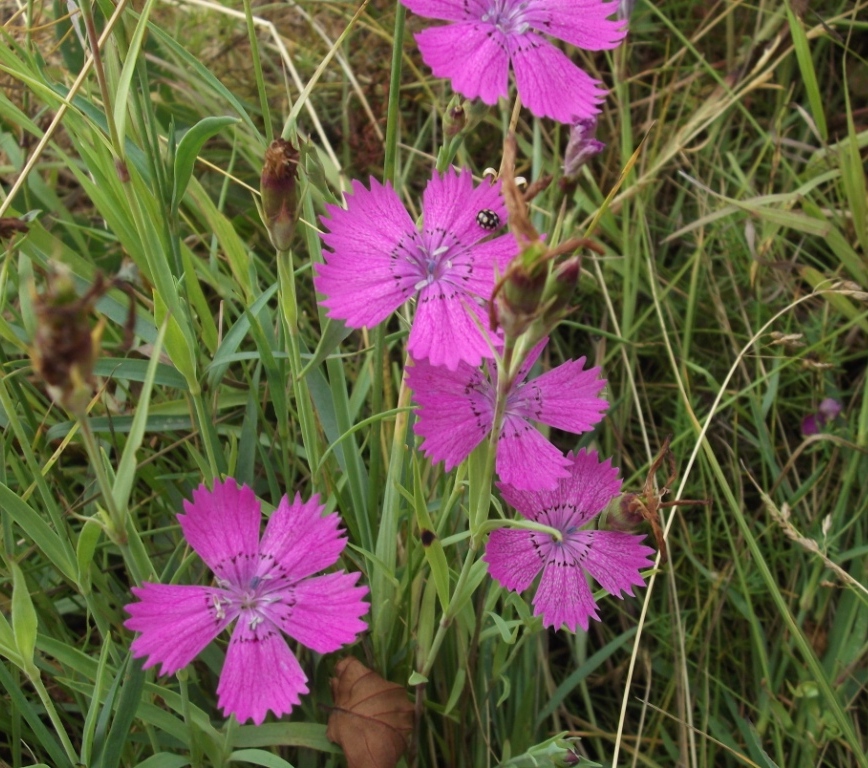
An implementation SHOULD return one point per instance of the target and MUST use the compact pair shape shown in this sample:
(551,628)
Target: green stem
(450,612)
(257,72)
(206,427)
(195,751)
(393,114)
(48,703)
(303,401)
(120,528)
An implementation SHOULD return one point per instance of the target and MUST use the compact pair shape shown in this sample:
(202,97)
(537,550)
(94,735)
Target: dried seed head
(64,347)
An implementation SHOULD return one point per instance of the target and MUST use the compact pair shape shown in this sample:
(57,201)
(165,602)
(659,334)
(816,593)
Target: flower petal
(583,23)
(260,674)
(299,541)
(325,612)
(563,597)
(176,622)
(456,410)
(222,526)
(591,485)
(615,558)
(444,329)
(448,10)
(451,203)
(366,275)
(513,558)
(473,56)
(526,460)
(565,397)
(549,84)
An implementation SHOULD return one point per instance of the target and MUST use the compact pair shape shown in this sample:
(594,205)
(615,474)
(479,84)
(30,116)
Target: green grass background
(729,302)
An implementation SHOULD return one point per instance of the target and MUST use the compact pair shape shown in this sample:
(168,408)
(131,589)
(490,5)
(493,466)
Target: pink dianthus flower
(457,412)
(613,558)
(379,259)
(486,36)
(267,585)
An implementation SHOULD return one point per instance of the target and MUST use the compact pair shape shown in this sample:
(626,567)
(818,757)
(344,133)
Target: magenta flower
(614,559)
(581,146)
(379,260)
(457,412)
(267,585)
(827,411)
(485,36)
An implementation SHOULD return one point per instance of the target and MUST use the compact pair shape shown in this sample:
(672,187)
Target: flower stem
(119,528)
(303,402)
(51,711)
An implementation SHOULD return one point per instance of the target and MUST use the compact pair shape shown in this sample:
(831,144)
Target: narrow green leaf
(258,757)
(806,69)
(188,151)
(85,547)
(39,532)
(164,760)
(434,554)
(126,472)
(46,740)
(128,703)
(122,91)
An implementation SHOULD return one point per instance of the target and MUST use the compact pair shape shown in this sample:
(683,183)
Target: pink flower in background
(379,259)
(486,36)
(614,559)
(827,411)
(457,412)
(581,146)
(267,585)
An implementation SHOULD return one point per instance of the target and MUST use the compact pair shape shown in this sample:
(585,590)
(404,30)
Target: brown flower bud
(277,185)
(455,118)
(64,347)
(623,513)
(517,299)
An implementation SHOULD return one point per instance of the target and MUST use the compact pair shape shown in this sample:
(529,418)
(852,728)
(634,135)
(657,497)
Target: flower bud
(64,347)
(581,146)
(623,513)
(560,289)
(277,185)
(455,118)
(518,301)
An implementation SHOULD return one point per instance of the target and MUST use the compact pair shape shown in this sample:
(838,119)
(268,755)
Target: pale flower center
(507,16)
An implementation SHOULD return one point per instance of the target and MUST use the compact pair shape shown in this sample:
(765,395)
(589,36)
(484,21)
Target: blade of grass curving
(258,757)
(131,56)
(133,682)
(125,476)
(42,735)
(164,760)
(189,146)
(806,69)
(24,621)
(34,527)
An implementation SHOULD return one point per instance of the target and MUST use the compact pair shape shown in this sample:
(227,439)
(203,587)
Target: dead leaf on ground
(372,718)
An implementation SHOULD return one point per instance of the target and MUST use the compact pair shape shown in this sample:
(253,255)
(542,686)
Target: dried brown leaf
(372,718)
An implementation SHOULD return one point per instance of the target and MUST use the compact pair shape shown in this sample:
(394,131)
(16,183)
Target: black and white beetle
(488,219)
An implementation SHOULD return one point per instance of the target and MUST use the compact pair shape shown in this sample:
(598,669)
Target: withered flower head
(278,188)
(9,227)
(64,347)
